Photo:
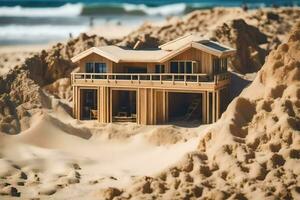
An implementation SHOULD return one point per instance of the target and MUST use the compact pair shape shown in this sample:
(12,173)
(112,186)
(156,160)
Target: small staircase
(192,108)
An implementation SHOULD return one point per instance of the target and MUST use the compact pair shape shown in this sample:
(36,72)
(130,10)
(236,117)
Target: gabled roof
(119,54)
(163,53)
(179,42)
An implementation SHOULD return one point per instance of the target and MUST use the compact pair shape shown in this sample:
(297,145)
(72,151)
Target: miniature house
(184,79)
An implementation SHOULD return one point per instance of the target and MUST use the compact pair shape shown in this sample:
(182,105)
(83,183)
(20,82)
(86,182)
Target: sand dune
(62,156)
(252,152)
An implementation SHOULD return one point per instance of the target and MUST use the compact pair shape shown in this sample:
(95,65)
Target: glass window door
(159,68)
(100,67)
(89,67)
(182,67)
(174,67)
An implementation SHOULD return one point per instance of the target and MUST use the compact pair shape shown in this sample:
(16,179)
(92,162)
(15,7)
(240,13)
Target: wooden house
(184,79)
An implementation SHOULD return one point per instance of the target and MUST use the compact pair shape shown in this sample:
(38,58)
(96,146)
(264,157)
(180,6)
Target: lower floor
(148,105)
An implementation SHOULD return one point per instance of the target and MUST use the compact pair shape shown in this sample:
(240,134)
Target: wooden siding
(95,58)
(204,62)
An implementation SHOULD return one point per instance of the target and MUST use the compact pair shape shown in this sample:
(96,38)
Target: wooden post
(218,105)
(146,106)
(213,106)
(167,107)
(98,104)
(151,106)
(138,120)
(207,108)
(164,106)
(110,105)
(154,109)
(107,103)
(204,111)
(79,103)
(74,101)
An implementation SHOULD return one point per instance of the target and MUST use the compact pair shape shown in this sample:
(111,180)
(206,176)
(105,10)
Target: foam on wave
(171,9)
(67,10)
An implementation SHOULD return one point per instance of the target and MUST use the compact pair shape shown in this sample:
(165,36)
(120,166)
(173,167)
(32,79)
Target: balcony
(163,80)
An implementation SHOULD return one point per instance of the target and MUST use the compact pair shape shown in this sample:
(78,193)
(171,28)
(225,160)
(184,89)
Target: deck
(146,80)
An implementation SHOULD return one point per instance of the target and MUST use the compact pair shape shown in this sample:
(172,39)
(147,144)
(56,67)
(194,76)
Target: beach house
(182,80)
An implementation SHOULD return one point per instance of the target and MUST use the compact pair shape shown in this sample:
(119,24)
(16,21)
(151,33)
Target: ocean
(39,21)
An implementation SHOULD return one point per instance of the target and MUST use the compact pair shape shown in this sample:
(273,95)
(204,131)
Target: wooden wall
(95,58)
(203,59)
(123,67)
(152,104)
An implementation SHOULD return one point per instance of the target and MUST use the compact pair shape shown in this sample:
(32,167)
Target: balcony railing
(155,78)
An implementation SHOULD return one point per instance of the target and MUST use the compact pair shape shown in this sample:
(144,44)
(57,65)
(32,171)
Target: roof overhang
(174,53)
(213,51)
(198,46)
(96,51)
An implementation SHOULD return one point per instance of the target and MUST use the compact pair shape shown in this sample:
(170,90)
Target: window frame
(102,66)
(193,65)
(160,67)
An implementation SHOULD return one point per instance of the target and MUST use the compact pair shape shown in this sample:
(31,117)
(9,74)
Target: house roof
(181,41)
(161,54)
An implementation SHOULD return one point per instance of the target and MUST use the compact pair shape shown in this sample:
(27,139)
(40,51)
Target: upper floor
(187,62)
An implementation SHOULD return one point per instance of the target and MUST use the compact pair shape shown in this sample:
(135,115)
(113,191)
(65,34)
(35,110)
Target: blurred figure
(91,22)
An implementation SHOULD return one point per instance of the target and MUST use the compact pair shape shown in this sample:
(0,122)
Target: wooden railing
(162,77)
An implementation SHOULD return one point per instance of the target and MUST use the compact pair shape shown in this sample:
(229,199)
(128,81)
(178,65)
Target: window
(95,67)
(100,67)
(181,67)
(174,67)
(224,65)
(89,67)
(159,68)
(136,70)
(219,65)
(187,67)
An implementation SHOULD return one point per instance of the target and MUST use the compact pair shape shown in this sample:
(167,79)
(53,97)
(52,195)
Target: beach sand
(12,55)
(251,152)
(73,160)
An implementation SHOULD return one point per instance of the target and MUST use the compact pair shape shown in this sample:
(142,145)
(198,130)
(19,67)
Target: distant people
(91,22)
(245,7)
(70,35)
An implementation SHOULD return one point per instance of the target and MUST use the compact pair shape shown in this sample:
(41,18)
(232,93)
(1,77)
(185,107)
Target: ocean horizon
(39,21)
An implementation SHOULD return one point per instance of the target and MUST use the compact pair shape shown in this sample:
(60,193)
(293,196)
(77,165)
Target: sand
(112,31)
(252,152)
(60,157)
(14,55)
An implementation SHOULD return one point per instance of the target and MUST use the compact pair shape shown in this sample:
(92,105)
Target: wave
(113,9)
(164,10)
(21,32)
(67,10)
(133,9)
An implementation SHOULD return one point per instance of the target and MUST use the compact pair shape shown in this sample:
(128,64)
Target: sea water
(39,21)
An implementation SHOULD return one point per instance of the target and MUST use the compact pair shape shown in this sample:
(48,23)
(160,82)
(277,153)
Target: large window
(89,67)
(219,65)
(174,67)
(95,68)
(187,67)
(159,68)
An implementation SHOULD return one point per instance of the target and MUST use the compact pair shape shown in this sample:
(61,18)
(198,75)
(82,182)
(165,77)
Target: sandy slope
(60,155)
(252,152)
